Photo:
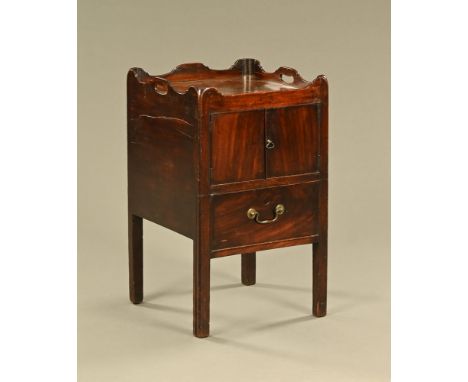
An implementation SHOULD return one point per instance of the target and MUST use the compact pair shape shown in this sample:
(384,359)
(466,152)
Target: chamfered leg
(319,303)
(135,249)
(248,268)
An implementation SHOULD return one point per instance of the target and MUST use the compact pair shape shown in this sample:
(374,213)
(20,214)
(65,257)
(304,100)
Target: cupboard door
(237,146)
(292,140)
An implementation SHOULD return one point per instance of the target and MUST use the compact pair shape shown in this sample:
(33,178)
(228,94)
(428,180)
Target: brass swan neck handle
(253,214)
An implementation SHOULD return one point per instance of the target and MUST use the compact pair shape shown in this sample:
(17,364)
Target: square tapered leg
(319,303)
(248,268)
(201,292)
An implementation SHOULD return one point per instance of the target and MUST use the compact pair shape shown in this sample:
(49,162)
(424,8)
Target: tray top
(245,76)
(234,84)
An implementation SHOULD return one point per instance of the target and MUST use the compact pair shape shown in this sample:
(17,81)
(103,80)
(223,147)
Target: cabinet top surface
(230,84)
(245,76)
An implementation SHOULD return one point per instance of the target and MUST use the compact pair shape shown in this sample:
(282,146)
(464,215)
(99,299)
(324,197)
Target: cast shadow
(289,355)
(175,292)
(342,302)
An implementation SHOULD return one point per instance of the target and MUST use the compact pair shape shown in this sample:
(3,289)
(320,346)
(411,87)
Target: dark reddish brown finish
(264,246)
(295,134)
(197,161)
(201,274)
(237,146)
(232,227)
(161,172)
(264,183)
(320,259)
(135,247)
(229,82)
(248,264)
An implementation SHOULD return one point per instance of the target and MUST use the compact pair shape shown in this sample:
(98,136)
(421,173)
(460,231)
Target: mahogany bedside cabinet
(235,160)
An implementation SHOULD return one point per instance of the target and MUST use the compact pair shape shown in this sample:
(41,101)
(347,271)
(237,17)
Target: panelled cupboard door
(292,136)
(237,146)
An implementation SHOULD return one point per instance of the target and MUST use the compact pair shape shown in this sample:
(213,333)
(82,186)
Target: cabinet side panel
(161,172)
(143,98)
(323,121)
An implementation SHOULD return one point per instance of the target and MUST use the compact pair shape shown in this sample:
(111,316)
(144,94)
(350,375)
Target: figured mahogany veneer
(236,160)
(300,219)
(237,146)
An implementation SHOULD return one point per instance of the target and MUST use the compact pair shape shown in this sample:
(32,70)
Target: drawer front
(237,146)
(232,227)
(294,133)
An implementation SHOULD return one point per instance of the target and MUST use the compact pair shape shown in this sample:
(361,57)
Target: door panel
(237,146)
(294,135)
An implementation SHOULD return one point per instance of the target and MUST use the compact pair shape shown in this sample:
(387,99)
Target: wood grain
(295,134)
(265,246)
(197,162)
(237,146)
(232,228)
(161,172)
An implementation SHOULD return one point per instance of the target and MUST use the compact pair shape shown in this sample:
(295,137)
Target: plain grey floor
(259,333)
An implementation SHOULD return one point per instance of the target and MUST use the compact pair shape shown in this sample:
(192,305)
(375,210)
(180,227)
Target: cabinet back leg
(135,257)
(319,299)
(248,268)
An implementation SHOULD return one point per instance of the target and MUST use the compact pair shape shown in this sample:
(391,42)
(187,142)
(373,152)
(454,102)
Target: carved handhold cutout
(161,88)
(287,78)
